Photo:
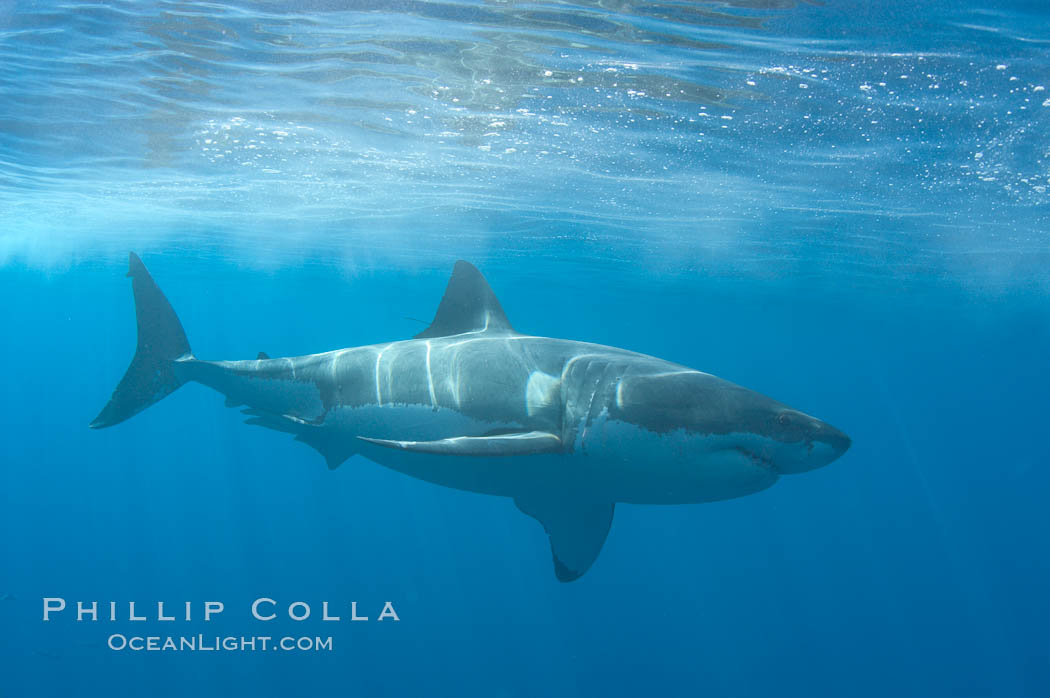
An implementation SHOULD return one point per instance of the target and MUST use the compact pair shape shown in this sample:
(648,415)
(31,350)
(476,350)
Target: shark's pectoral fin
(514,444)
(334,449)
(576,525)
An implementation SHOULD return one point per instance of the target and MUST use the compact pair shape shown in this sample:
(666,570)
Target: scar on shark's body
(566,429)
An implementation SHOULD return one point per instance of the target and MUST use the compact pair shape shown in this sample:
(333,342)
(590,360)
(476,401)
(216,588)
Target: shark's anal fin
(262,356)
(576,524)
(334,449)
(514,444)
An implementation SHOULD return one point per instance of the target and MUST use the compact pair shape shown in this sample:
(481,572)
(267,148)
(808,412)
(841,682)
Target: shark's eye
(783,419)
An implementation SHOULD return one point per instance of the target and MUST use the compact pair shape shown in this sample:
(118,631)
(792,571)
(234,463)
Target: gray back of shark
(565,428)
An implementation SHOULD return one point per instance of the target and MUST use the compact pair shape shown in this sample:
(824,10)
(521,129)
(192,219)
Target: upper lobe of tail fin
(151,375)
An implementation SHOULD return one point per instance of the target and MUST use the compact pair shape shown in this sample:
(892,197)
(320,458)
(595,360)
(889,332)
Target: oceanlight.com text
(214,643)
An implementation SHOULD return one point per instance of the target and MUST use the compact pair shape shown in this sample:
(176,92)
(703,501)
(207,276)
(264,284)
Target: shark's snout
(823,442)
(838,441)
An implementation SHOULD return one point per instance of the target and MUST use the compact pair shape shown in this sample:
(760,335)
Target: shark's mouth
(756,458)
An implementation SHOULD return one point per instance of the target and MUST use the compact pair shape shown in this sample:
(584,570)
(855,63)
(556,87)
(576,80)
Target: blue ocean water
(842,205)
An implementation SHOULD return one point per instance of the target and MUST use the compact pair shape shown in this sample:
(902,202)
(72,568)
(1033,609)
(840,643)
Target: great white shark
(566,429)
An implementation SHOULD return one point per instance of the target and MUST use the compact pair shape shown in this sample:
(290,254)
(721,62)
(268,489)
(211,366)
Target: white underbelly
(614,460)
(644,467)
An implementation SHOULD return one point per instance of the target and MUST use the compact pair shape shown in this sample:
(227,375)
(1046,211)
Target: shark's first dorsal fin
(469,305)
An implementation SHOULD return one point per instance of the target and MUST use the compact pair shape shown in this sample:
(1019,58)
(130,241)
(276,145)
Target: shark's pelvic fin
(469,305)
(334,450)
(576,524)
(277,422)
(262,356)
(515,444)
(161,340)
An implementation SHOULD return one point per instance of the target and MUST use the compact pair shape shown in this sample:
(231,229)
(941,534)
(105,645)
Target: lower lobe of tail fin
(161,339)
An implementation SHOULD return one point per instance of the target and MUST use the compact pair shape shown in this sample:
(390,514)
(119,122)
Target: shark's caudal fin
(151,375)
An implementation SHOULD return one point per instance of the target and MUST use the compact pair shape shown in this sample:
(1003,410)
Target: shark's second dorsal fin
(469,305)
